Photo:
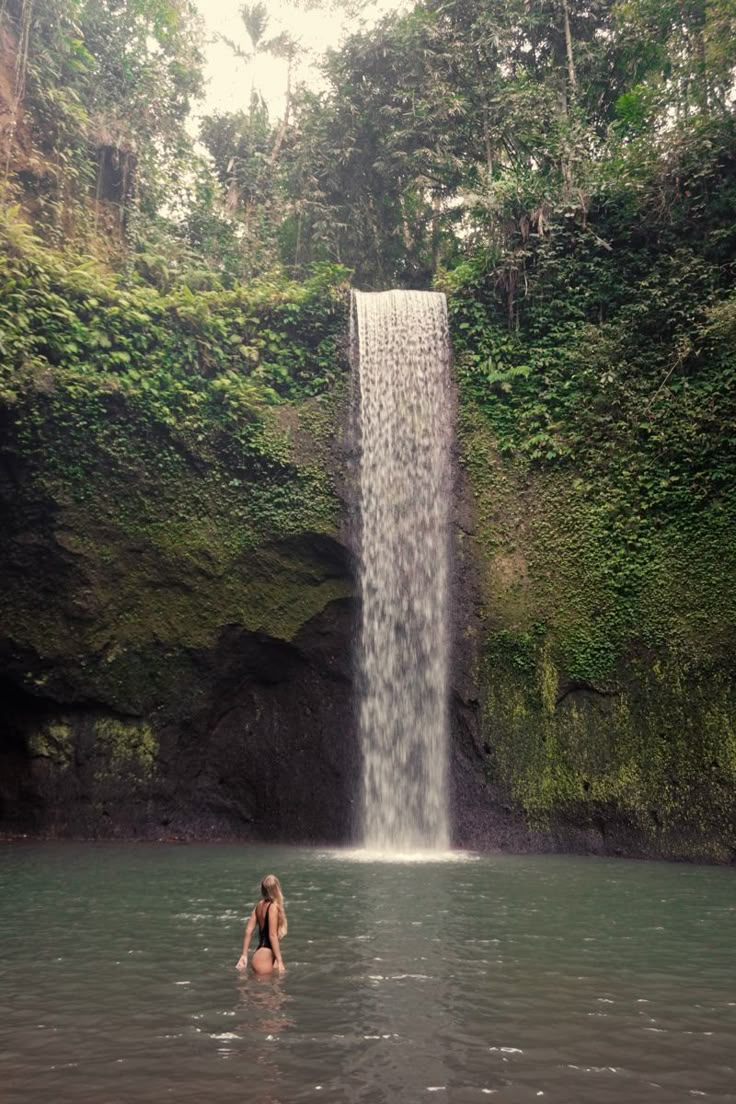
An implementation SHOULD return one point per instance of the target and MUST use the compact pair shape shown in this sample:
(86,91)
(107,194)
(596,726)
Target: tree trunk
(285,121)
(489,156)
(436,233)
(704,96)
(571,75)
(298,247)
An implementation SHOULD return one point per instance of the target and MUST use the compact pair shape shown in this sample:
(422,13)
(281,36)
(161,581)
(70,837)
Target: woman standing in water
(270,917)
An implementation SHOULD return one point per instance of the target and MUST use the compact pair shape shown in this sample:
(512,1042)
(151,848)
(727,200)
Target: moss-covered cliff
(604,672)
(596,436)
(176,591)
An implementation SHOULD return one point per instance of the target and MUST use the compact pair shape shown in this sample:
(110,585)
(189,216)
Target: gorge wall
(606,713)
(160,683)
(179,599)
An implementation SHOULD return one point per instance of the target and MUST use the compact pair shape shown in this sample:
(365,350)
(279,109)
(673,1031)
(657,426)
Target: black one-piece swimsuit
(264,939)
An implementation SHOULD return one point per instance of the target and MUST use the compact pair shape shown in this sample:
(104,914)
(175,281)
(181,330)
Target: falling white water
(402,350)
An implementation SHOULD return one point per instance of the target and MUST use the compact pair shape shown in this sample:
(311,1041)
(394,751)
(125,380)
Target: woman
(270,917)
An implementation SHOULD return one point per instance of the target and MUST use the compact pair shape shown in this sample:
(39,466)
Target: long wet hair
(271,891)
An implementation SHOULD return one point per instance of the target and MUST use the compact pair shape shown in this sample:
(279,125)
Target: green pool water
(557,979)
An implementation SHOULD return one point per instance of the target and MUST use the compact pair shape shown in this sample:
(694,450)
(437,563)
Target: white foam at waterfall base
(405,403)
(383,855)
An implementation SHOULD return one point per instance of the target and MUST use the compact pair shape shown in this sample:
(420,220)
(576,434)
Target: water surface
(511,978)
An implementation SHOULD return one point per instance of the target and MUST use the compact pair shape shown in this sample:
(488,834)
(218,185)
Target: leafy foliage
(102,90)
(196,367)
(594,340)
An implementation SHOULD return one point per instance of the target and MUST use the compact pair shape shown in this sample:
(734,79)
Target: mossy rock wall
(177,599)
(607,711)
(174,637)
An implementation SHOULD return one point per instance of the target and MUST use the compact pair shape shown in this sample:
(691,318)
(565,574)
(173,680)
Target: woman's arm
(273,932)
(249,929)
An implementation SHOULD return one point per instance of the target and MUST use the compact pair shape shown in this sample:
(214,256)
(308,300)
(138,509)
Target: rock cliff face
(251,738)
(177,640)
(177,599)
(166,671)
(603,713)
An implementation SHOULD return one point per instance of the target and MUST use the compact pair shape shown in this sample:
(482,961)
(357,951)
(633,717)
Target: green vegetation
(598,380)
(129,747)
(89,365)
(53,743)
(656,754)
(97,98)
(172,446)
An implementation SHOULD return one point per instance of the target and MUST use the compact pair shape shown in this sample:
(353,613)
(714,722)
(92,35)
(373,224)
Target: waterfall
(402,354)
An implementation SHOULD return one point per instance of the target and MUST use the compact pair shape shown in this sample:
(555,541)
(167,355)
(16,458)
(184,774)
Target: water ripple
(521,979)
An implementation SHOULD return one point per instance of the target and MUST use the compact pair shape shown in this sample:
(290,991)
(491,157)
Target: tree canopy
(452,130)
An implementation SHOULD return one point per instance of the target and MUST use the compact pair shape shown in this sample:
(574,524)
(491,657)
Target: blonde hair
(271,891)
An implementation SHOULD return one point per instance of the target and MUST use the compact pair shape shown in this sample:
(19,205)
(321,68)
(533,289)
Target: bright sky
(316,27)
